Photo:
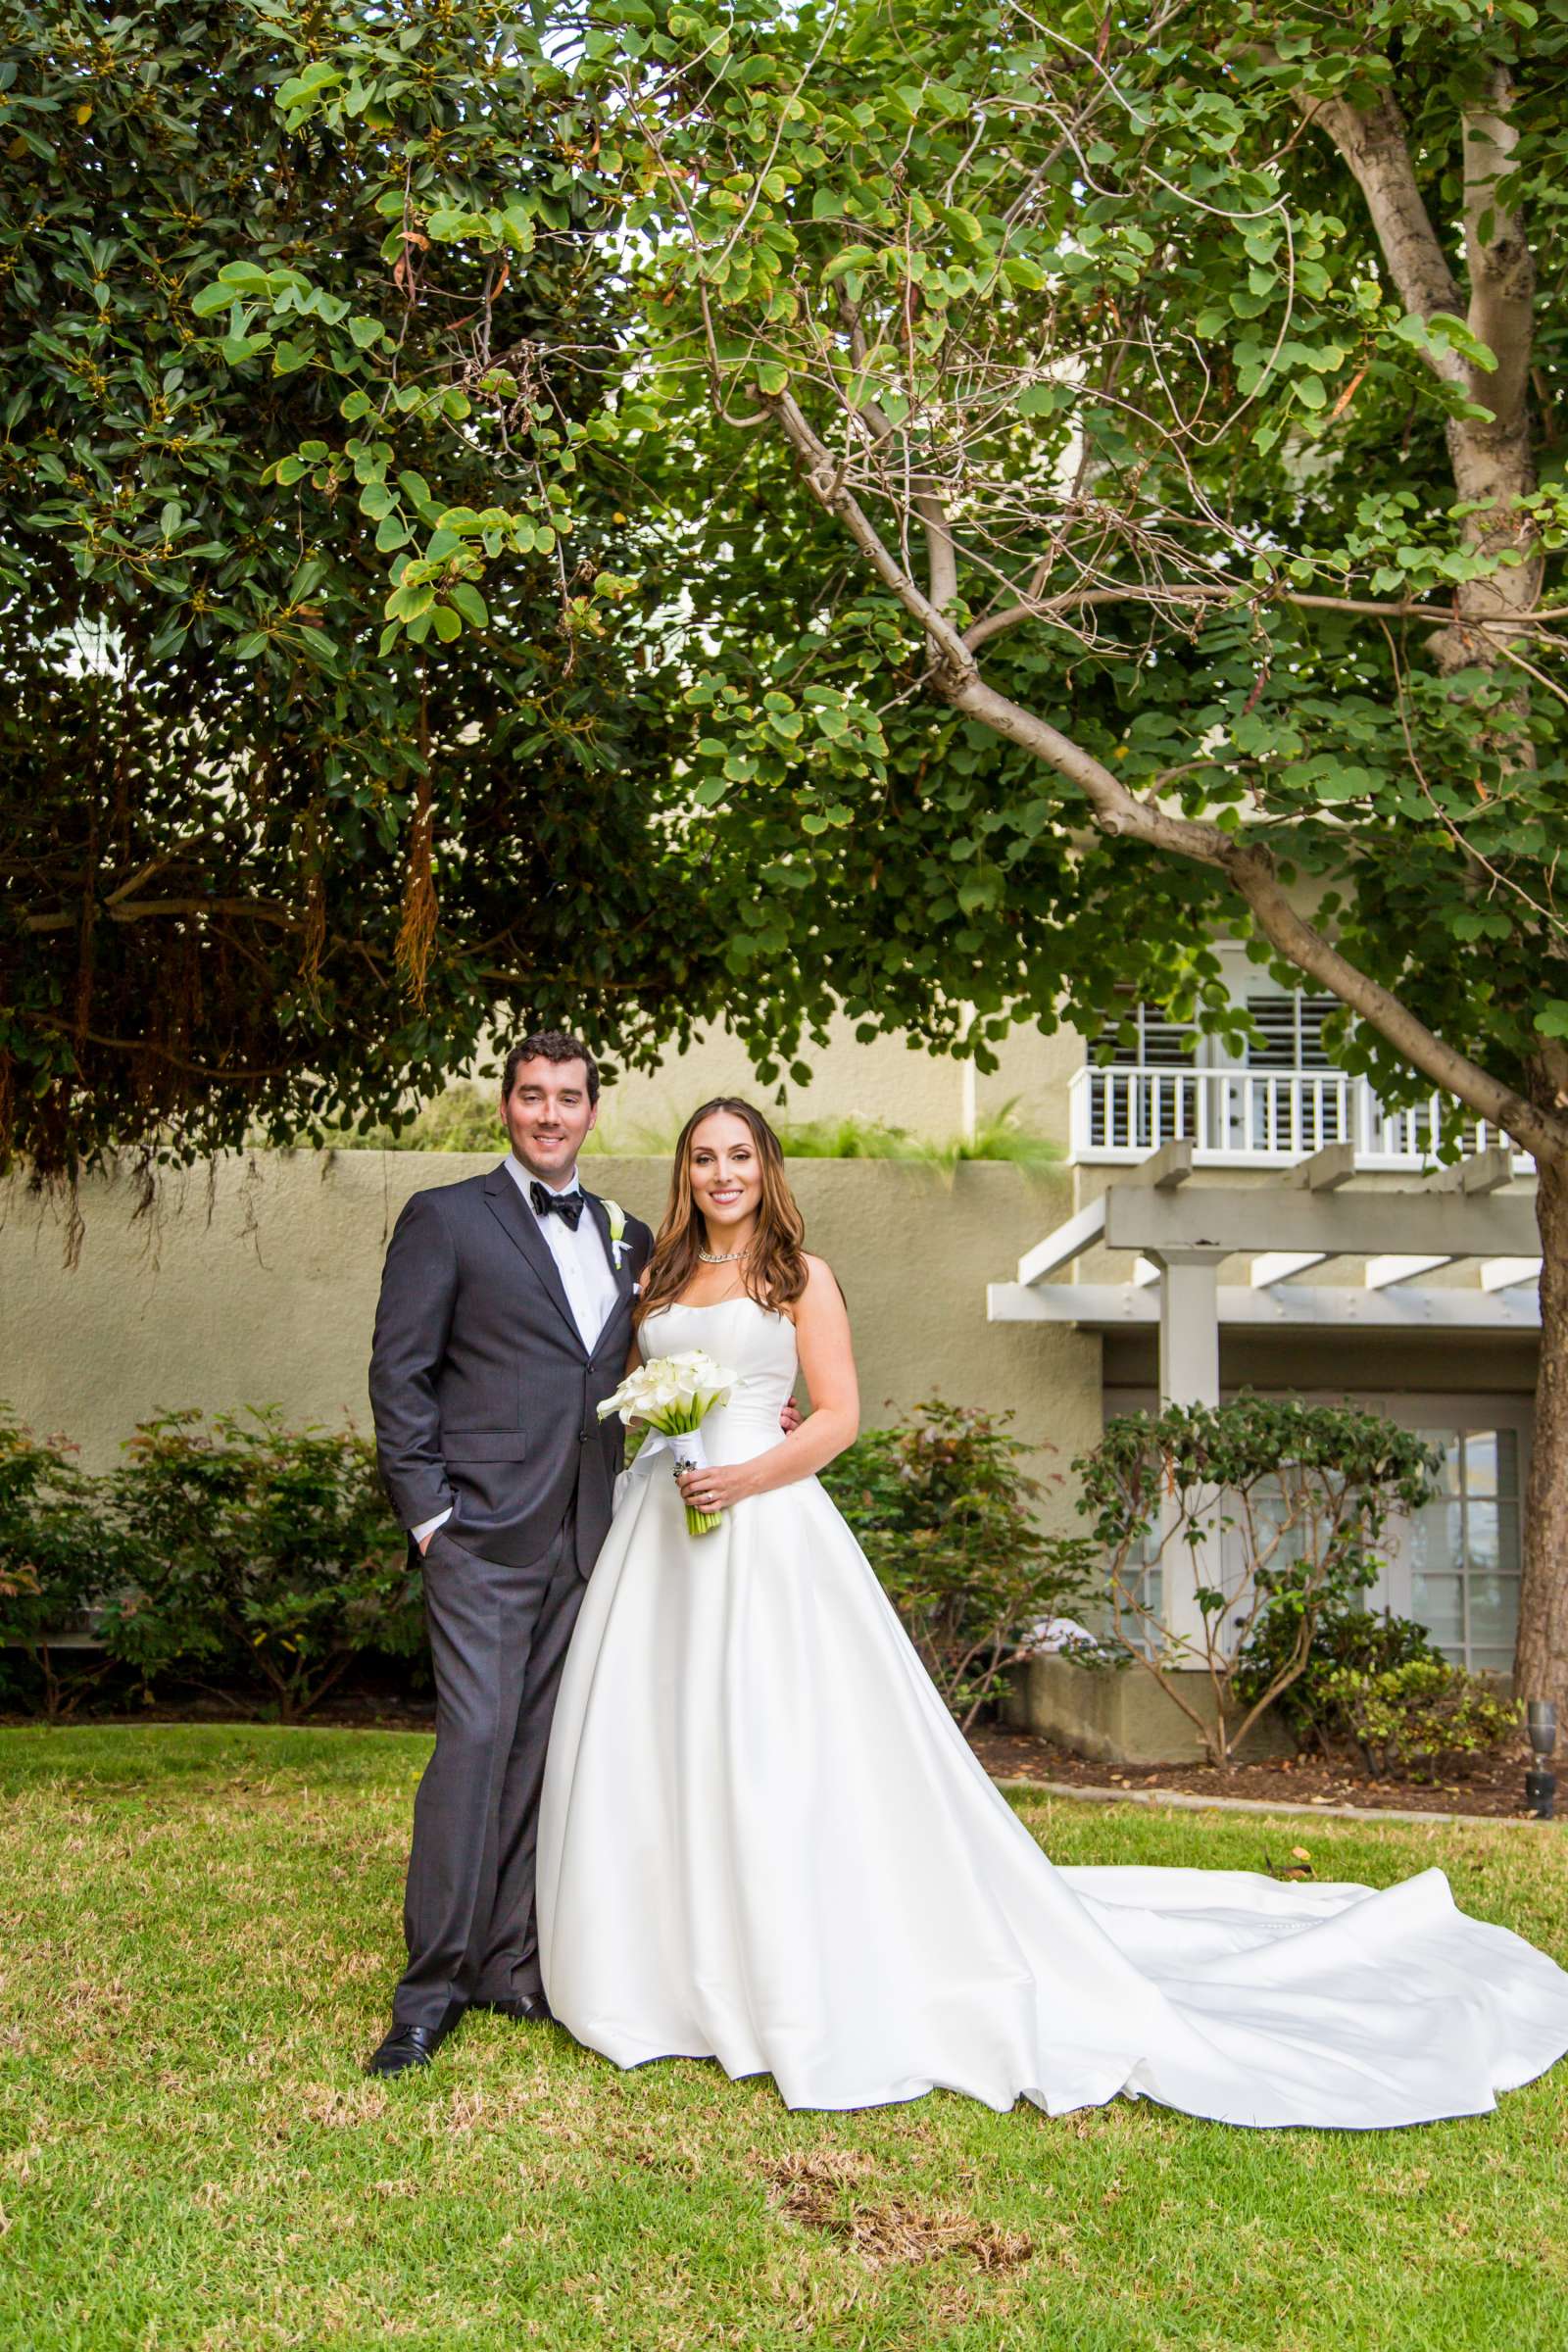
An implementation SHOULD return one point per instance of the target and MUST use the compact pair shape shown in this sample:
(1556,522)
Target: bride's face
(726,1176)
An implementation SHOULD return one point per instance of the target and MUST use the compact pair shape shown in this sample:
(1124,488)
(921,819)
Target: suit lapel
(624,1277)
(506,1203)
(601,1217)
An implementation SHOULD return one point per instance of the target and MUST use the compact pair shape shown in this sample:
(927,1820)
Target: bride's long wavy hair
(773,1270)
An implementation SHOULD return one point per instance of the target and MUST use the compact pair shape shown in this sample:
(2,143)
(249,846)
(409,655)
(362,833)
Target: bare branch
(1184,592)
(1373,145)
(1503,270)
(1250,870)
(135,910)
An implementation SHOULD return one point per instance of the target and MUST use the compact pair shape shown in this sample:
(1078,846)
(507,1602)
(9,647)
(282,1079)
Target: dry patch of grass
(832,2192)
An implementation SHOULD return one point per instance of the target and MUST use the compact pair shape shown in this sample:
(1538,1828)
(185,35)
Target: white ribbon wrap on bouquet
(685,1448)
(686,1445)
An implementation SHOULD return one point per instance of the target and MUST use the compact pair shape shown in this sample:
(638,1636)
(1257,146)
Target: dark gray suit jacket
(483,1392)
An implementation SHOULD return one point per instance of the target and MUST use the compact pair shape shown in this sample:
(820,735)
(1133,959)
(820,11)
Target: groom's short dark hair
(549,1044)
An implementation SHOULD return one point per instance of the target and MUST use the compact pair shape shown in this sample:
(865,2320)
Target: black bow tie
(557,1205)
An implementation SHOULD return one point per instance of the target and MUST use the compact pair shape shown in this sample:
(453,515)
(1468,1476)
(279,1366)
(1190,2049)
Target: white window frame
(1408,1408)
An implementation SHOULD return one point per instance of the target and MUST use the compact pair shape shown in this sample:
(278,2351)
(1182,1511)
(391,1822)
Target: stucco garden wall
(891,1080)
(262,1290)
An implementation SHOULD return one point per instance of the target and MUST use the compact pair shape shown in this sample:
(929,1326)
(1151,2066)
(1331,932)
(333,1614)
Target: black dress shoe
(414,2045)
(524,2009)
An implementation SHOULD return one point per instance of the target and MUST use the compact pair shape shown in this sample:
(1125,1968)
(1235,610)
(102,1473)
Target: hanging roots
(417,932)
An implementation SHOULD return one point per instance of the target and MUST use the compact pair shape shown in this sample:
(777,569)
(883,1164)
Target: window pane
(1464,1549)
(1438,1604)
(1437,1537)
(1494,1615)
(1492,1461)
(1493,1535)
(1447,1442)
(1481,1535)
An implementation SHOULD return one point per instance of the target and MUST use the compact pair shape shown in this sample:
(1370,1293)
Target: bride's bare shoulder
(821,1282)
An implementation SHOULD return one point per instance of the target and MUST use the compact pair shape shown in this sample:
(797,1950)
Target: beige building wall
(263,1291)
(893,1081)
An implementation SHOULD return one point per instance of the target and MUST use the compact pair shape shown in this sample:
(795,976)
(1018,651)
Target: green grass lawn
(201,1930)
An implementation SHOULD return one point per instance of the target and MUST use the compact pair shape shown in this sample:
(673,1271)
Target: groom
(505,1319)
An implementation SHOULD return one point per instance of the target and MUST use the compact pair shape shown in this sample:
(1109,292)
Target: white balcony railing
(1257,1118)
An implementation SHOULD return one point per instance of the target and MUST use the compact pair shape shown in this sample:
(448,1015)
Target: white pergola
(1181,1233)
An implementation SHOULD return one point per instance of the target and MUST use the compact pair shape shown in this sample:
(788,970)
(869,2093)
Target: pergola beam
(1290,1307)
(1069,1242)
(1509,1273)
(1163,1170)
(1326,1170)
(1382,1273)
(1481,1172)
(1358,1224)
(1283,1265)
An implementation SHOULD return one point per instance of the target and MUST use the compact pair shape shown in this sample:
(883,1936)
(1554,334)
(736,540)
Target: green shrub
(1275,1506)
(59,1555)
(263,1555)
(465,1118)
(943,1512)
(1343,1635)
(1426,1720)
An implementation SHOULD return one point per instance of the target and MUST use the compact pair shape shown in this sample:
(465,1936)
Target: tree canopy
(268,860)
(1119,462)
(1092,481)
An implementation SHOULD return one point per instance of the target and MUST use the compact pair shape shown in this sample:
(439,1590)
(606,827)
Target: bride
(765,1840)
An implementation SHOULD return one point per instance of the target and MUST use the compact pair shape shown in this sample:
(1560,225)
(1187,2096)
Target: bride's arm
(827,1359)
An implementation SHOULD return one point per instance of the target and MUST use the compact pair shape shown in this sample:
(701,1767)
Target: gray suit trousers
(498,1641)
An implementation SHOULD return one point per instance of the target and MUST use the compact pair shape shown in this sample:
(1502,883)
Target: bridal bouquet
(672,1395)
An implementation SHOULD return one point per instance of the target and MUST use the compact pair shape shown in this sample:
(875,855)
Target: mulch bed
(1496,1789)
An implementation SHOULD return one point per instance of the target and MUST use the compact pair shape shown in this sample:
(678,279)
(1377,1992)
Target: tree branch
(995,624)
(1248,865)
(135,910)
(1375,149)
(1501,267)
(1251,871)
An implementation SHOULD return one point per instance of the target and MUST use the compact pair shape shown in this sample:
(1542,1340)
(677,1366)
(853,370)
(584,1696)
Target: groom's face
(547,1116)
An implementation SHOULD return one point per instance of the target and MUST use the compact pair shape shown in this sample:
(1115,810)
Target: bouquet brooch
(672,1395)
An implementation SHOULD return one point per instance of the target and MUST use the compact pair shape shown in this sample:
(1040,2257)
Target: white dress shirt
(586,1276)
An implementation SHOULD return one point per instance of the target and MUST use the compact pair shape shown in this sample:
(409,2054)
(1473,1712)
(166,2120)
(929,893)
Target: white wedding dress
(765,1840)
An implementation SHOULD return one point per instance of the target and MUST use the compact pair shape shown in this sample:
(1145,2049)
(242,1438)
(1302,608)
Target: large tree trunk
(1540,1664)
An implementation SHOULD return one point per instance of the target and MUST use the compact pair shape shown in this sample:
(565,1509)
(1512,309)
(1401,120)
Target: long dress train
(763,1839)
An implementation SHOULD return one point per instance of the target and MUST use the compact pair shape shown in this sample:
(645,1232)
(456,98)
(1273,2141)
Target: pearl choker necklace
(722,1257)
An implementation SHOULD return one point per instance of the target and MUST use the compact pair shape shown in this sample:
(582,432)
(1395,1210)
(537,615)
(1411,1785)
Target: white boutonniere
(618,1231)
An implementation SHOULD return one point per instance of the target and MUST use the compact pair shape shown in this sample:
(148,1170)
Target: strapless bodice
(757,1347)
